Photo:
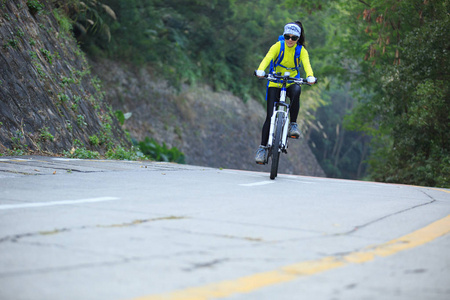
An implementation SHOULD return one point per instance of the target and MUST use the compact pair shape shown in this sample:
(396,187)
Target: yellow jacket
(288,61)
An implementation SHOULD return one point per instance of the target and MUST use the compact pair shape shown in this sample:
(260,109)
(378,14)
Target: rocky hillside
(49,100)
(52,100)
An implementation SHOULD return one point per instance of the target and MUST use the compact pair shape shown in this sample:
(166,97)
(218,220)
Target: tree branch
(365,3)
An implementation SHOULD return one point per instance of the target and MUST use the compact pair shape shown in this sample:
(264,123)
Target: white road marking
(65,159)
(51,203)
(257,183)
(14,159)
(289,177)
(296,180)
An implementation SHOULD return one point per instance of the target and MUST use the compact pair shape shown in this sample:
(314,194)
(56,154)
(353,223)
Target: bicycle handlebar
(278,78)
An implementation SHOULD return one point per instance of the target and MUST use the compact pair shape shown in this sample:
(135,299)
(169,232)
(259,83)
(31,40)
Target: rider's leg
(261,153)
(272,95)
(293,92)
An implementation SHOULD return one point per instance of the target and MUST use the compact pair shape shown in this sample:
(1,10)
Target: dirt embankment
(212,129)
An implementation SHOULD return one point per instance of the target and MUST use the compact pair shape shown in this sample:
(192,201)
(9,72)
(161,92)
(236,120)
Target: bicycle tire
(276,148)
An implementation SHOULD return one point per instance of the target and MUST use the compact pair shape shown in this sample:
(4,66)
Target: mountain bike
(279,123)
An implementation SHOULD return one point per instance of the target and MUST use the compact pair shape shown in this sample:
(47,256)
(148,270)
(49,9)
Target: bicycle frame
(280,110)
(279,122)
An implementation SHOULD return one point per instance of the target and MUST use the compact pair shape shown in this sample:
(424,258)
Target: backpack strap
(298,50)
(281,53)
(275,63)
(279,59)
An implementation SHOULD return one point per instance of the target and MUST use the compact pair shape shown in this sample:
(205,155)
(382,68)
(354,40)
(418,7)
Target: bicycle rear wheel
(276,148)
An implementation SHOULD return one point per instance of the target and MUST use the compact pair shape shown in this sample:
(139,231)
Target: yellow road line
(440,190)
(259,280)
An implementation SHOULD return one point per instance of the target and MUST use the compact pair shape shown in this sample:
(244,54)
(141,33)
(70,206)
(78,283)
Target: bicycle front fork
(282,114)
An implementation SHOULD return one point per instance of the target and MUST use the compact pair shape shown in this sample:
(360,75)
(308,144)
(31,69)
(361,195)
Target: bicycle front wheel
(276,148)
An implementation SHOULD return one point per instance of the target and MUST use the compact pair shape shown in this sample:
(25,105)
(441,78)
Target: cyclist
(294,36)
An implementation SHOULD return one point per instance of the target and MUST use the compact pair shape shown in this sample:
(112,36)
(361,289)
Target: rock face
(51,101)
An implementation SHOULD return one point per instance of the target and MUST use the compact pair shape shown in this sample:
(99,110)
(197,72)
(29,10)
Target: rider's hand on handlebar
(311,79)
(260,73)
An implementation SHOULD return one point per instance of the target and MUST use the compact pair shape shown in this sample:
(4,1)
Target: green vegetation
(18,148)
(20,32)
(69,125)
(36,62)
(122,153)
(33,55)
(106,135)
(47,55)
(120,116)
(413,111)
(46,135)
(81,121)
(63,21)
(76,99)
(14,43)
(147,149)
(409,113)
(154,151)
(35,6)
(94,140)
(82,153)
(221,42)
(66,80)
(63,98)
(391,57)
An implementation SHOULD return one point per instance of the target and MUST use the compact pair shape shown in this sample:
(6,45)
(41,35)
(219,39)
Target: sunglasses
(287,37)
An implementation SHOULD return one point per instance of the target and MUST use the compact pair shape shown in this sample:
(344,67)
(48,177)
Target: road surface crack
(208,264)
(388,216)
(17,237)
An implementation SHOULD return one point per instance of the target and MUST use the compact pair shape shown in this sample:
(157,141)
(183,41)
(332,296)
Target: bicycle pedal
(294,137)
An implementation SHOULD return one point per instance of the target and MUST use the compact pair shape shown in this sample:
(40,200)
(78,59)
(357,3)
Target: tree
(395,54)
(341,152)
(406,58)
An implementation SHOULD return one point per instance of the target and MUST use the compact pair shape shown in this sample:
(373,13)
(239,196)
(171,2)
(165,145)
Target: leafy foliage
(123,154)
(217,42)
(416,110)
(34,6)
(152,150)
(89,18)
(80,151)
(395,55)
(406,68)
(120,116)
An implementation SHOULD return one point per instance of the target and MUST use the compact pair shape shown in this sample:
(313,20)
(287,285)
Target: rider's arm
(271,55)
(304,58)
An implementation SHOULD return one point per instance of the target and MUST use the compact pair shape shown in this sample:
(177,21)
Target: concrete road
(83,229)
